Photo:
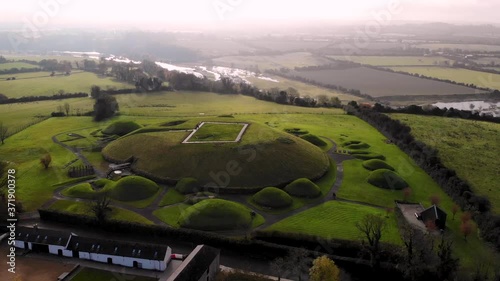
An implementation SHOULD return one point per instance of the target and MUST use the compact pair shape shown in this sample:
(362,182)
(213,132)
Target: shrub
(273,197)
(375,164)
(133,188)
(121,128)
(387,179)
(187,185)
(303,188)
(314,139)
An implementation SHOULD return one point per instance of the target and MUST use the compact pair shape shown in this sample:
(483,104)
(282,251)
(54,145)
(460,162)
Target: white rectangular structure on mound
(238,138)
(138,255)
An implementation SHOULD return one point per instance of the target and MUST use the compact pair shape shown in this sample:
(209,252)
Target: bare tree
(3,132)
(66,108)
(101,208)
(371,227)
(279,267)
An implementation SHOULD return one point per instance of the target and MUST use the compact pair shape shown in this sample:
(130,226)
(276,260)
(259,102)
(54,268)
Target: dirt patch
(31,268)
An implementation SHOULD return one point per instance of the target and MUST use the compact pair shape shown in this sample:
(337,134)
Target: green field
(18,65)
(38,58)
(468,147)
(460,75)
(42,84)
(393,60)
(93,274)
(335,220)
(217,132)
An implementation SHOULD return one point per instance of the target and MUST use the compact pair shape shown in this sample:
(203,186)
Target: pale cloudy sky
(226,11)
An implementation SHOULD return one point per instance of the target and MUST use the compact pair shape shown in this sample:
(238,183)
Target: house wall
(20,244)
(53,249)
(159,265)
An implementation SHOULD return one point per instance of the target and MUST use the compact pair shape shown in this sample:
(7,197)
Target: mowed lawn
(379,83)
(336,220)
(469,147)
(42,84)
(18,65)
(460,75)
(393,60)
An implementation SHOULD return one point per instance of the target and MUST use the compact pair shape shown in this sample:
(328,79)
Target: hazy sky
(226,11)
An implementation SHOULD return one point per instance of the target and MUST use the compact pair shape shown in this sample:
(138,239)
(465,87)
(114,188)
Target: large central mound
(263,157)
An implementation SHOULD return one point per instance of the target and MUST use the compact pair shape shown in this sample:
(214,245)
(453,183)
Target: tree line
(427,158)
(436,111)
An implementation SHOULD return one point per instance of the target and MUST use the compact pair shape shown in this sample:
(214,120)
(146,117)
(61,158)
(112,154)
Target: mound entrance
(217,132)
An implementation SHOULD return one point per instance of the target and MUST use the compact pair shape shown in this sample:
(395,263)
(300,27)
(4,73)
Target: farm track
(270,219)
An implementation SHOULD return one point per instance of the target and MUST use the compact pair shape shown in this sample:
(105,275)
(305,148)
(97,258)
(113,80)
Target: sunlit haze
(150,13)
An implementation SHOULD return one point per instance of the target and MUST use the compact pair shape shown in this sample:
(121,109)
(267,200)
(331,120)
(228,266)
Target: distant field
(287,45)
(213,47)
(465,47)
(289,60)
(488,60)
(478,78)
(18,65)
(38,58)
(303,88)
(41,84)
(379,83)
(468,147)
(392,60)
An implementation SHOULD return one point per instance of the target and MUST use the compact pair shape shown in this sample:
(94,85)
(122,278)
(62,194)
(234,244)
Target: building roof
(195,264)
(42,236)
(433,212)
(118,248)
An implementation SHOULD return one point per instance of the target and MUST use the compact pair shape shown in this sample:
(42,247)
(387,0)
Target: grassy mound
(360,145)
(262,158)
(367,155)
(375,164)
(173,123)
(216,214)
(272,197)
(133,188)
(187,185)
(83,190)
(313,139)
(296,131)
(303,188)
(121,128)
(387,179)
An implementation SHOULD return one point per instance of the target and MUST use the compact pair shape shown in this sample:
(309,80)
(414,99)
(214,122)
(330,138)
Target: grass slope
(258,160)
(121,128)
(375,164)
(303,188)
(387,179)
(468,147)
(133,188)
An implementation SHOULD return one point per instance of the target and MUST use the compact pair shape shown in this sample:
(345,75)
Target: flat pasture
(464,47)
(289,60)
(460,75)
(379,83)
(42,84)
(18,65)
(393,60)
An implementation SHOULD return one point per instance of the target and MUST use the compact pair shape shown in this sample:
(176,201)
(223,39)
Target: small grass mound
(216,214)
(83,190)
(187,185)
(303,188)
(173,123)
(296,131)
(121,128)
(387,179)
(314,139)
(272,197)
(358,145)
(133,188)
(375,164)
(367,155)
